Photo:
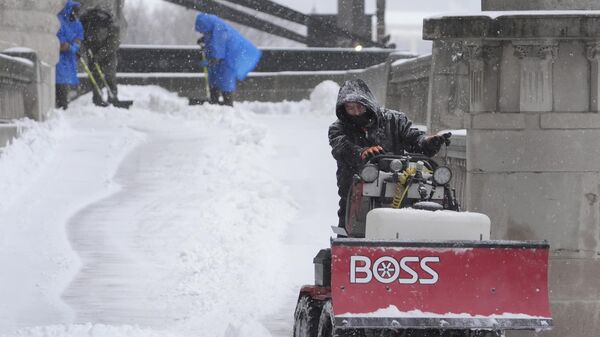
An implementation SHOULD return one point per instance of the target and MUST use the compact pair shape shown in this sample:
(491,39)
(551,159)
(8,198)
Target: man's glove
(370,152)
(74,48)
(432,144)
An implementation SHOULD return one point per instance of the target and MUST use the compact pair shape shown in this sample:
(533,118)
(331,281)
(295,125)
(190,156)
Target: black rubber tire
(326,321)
(306,317)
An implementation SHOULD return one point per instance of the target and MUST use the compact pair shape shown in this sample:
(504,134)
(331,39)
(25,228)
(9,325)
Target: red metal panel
(478,280)
(316,292)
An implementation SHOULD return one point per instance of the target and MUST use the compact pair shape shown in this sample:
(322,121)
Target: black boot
(62,96)
(214,96)
(98,101)
(228,98)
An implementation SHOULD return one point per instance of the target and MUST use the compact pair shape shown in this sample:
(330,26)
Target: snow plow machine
(410,263)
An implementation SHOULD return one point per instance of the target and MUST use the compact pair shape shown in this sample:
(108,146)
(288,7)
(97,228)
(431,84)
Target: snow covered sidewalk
(162,220)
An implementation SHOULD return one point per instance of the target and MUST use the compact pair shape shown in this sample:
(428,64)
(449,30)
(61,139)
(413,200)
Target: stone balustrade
(16,74)
(408,88)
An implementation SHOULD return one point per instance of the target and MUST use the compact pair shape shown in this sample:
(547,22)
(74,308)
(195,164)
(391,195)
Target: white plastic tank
(414,224)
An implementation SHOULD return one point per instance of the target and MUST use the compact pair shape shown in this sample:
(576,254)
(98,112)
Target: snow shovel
(112,97)
(95,86)
(199,101)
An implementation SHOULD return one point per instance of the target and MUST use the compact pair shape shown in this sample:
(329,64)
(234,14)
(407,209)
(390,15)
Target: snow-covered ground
(165,219)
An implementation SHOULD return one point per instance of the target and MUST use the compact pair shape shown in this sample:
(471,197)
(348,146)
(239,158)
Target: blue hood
(68,9)
(205,22)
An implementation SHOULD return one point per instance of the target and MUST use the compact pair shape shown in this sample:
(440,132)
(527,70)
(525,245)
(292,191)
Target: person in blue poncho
(230,56)
(70,36)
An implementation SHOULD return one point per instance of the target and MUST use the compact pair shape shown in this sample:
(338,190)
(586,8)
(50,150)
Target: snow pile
(181,217)
(22,160)
(280,108)
(321,103)
(89,330)
(224,243)
(393,311)
(324,97)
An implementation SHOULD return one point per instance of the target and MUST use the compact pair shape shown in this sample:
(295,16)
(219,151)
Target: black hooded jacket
(389,129)
(101,34)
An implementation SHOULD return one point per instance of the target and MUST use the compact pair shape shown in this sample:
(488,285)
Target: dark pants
(344,184)
(62,96)
(216,93)
(108,67)
(342,212)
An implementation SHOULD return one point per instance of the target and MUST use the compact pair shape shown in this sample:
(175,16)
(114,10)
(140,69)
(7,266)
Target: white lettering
(434,275)
(386,269)
(406,268)
(364,269)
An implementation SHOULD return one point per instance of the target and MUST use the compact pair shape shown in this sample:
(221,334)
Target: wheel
(306,317)
(325,327)
(490,333)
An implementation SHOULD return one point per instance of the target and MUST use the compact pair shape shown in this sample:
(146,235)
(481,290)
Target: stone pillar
(533,160)
(33,25)
(380,20)
(350,15)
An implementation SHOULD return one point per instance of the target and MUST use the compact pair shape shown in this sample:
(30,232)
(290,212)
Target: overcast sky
(330,6)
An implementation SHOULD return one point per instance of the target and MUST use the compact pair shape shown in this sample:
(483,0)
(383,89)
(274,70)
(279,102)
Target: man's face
(355,109)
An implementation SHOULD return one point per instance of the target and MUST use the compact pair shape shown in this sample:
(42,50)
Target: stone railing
(16,74)
(408,87)
(282,74)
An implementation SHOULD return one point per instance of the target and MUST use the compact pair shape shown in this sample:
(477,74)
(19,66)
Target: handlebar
(410,157)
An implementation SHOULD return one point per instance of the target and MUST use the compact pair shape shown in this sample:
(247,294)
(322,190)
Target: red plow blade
(498,285)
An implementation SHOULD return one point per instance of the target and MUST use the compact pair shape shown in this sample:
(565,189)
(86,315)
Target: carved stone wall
(533,125)
(29,27)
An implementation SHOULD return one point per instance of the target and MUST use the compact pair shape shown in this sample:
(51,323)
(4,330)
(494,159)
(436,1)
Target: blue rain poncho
(238,55)
(66,68)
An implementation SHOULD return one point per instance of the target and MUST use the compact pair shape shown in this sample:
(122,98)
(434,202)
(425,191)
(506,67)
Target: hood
(66,11)
(205,22)
(355,91)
